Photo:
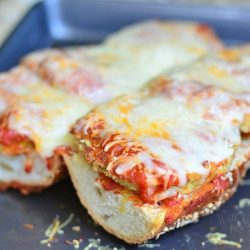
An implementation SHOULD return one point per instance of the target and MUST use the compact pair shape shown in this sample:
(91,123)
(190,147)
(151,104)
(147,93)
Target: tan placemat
(11,11)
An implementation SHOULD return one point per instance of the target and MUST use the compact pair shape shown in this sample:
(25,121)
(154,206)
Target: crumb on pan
(75,243)
(212,228)
(55,228)
(149,245)
(219,239)
(245,182)
(76,229)
(28,226)
(96,244)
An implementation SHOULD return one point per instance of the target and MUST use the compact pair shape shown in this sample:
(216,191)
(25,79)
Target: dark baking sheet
(97,19)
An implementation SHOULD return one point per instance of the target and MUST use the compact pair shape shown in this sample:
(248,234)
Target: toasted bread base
(119,216)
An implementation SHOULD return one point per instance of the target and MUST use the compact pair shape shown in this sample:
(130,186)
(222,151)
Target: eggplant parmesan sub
(147,163)
(144,161)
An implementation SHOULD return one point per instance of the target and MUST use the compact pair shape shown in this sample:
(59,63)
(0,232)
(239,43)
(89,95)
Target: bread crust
(76,182)
(155,229)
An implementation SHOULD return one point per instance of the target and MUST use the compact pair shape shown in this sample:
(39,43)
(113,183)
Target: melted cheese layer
(125,60)
(228,69)
(174,134)
(178,123)
(40,112)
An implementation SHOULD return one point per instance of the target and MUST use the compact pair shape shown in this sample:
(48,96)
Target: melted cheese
(229,69)
(126,60)
(190,142)
(211,103)
(45,116)
(42,113)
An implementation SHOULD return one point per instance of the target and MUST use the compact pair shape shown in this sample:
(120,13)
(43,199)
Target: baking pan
(23,220)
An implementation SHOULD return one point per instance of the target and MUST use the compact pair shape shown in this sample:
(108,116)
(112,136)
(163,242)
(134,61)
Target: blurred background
(11,11)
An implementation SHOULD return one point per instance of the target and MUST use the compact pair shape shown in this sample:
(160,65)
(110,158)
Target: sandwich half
(155,160)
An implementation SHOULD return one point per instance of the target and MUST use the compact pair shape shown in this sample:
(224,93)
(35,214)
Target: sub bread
(125,219)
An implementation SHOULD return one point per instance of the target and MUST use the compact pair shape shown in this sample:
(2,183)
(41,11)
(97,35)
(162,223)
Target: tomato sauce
(9,136)
(179,205)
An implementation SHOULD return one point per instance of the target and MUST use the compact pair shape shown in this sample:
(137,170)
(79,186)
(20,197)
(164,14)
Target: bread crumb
(76,229)
(212,229)
(29,226)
